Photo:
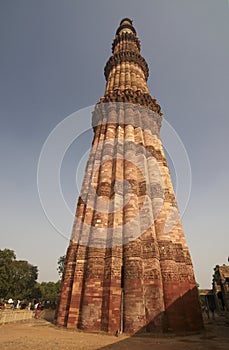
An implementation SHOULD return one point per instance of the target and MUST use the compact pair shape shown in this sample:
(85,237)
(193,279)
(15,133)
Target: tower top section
(126,32)
(126,25)
(126,20)
(126,71)
(126,48)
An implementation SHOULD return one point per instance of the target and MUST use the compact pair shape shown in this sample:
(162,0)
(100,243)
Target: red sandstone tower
(128,267)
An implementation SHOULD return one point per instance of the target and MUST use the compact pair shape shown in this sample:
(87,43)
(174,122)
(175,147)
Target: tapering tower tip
(126,71)
(126,20)
(126,25)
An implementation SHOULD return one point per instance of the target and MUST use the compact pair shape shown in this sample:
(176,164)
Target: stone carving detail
(169,276)
(155,153)
(188,259)
(179,252)
(170,197)
(166,249)
(152,274)
(149,250)
(133,270)
(94,272)
(174,251)
(156,191)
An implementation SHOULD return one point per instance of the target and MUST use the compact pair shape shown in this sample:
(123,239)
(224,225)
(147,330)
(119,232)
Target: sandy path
(42,335)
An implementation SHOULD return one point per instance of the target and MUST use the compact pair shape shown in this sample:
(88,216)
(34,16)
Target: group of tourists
(22,305)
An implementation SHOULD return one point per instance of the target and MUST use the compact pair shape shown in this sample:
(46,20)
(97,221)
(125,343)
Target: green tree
(50,291)
(17,277)
(60,263)
(36,292)
(24,276)
(7,258)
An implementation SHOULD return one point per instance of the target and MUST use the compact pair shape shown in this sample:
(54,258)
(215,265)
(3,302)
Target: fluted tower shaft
(128,267)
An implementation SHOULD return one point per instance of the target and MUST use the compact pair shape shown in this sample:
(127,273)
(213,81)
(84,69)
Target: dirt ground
(43,335)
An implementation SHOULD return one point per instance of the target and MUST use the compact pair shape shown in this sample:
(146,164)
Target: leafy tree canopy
(17,277)
(60,264)
(50,291)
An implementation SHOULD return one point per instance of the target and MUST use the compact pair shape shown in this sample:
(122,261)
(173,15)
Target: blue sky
(51,65)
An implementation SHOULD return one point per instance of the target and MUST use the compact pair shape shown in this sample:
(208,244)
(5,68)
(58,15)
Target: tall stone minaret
(128,267)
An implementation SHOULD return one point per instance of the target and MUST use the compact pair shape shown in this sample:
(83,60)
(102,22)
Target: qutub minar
(128,267)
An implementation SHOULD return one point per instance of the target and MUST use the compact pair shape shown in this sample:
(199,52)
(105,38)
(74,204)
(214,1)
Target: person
(207,311)
(38,310)
(15,304)
(18,304)
(212,309)
(3,305)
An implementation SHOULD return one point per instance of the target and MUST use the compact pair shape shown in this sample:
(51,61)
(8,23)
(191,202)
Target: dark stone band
(135,97)
(126,56)
(126,37)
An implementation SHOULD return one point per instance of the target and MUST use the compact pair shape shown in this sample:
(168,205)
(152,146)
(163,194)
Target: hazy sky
(52,58)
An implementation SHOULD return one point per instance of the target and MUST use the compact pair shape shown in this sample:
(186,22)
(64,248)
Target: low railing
(7,316)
